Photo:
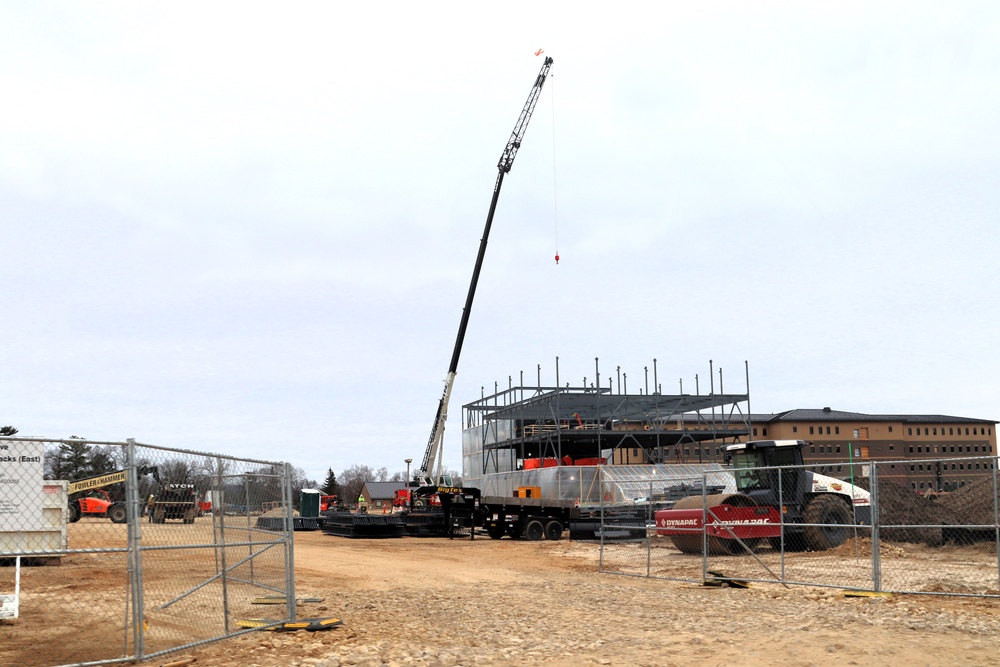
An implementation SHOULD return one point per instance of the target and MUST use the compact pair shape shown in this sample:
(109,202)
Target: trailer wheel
(496,530)
(553,530)
(534,530)
(834,513)
(74,512)
(118,513)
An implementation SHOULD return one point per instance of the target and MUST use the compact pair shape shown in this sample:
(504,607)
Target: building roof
(382,490)
(830,415)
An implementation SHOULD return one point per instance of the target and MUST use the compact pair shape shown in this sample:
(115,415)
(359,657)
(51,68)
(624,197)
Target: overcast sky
(249,228)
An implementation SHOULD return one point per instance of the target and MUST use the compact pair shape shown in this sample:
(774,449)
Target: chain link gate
(160,550)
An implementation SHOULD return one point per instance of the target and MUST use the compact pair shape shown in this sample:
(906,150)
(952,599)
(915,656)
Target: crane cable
(555,206)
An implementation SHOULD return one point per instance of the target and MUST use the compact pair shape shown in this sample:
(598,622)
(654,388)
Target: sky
(249,228)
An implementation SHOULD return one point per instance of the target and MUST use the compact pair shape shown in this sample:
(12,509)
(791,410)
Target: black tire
(534,531)
(118,513)
(829,510)
(553,530)
(74,512)
(496,530)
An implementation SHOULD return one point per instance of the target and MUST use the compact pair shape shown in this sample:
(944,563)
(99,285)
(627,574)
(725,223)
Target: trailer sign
(21,486)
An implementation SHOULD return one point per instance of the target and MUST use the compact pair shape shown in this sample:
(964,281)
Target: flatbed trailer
(527,518)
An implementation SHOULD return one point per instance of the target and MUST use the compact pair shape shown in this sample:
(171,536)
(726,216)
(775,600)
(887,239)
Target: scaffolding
(527,428)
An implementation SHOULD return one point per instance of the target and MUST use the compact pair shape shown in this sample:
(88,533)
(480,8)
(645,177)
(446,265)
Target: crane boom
(433,450)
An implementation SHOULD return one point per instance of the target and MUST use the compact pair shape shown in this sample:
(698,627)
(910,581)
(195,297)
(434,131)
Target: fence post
(996,516)
(876,521)
(133,513)
(704,526)
(781,521)
(289,541)
(649,538)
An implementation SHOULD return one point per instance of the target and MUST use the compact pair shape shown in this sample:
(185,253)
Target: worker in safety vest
(362,505)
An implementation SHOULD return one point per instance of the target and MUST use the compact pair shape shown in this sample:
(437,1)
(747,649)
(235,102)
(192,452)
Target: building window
(973,430)
(812,449)
(909,430)
(755,430)
(966,430)
(920,450)
(891,447)
(951,431)
(765,432)
(856,433)
(828,430)
(890,429)
(810,430)
(935,430)
(795,429)
(836,429)
(838,449)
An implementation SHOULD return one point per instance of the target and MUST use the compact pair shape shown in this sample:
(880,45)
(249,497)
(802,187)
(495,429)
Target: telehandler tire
(74,512)
(835,514)
(118,513)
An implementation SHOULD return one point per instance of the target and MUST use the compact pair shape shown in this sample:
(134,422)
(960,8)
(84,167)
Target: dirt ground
(448,603)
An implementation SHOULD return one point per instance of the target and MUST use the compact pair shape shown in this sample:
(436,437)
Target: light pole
(408,462)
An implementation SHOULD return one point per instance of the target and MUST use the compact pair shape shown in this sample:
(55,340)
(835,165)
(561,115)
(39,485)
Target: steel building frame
(523,422)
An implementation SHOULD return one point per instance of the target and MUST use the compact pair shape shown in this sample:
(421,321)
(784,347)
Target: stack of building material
(346,524)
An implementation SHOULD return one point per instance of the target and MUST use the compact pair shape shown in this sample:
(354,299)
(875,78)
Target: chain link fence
(127,551)
(890,538)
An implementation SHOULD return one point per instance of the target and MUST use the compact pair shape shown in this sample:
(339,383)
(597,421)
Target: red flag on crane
(539,52)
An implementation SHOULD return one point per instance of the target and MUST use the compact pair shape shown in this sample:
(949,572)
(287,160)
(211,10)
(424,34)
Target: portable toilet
(309,503)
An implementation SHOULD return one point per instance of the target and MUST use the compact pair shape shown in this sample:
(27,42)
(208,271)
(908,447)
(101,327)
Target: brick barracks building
(924,452)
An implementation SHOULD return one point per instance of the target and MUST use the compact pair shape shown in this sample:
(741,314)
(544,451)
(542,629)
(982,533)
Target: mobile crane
(433,451)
